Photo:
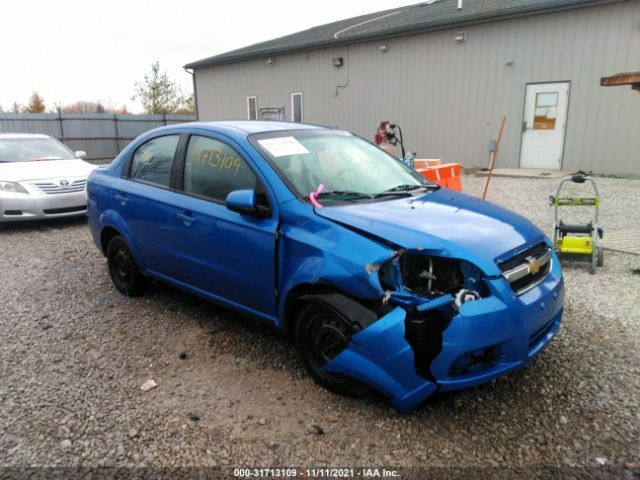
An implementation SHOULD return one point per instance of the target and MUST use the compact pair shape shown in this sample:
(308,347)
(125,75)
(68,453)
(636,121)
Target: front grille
(527,269)
(534,251)
(55,188)
(54,211)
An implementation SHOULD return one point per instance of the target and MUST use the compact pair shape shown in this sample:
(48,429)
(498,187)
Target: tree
(158,93)
(17,108)
(188,106)
(86,107)
(83,106)
(36,104)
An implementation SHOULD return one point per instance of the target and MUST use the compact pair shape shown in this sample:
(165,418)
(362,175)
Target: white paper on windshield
(281,146)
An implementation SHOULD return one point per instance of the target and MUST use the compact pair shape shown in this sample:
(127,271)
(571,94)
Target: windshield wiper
(404,190)
(343,193)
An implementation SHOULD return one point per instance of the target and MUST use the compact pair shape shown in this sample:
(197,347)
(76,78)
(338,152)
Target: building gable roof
(425,16)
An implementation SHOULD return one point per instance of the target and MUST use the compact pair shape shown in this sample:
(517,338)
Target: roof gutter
(195,90)
(507,14)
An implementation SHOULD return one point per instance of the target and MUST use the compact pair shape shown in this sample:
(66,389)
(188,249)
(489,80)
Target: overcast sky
(70,50)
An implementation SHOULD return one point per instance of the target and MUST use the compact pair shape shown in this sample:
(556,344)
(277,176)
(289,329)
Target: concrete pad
(525,173)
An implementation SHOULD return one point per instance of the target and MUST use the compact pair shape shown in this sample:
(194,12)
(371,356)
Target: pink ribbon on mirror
(314,195)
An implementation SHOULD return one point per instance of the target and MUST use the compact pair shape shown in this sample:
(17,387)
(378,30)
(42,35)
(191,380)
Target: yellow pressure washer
(580,242)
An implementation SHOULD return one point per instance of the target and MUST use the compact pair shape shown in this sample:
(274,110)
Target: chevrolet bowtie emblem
(534,266)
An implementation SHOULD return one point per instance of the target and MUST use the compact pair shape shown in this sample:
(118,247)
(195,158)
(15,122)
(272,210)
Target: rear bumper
(23,207)
(512,328)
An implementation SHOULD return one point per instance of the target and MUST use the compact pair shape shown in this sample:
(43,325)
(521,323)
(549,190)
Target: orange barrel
(426,163)
(447,175)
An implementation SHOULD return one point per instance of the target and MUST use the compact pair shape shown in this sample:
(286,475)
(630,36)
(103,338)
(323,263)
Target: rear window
(152,161)
(33,150)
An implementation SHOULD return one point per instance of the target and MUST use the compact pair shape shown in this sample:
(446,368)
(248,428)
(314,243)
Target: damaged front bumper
(423,346)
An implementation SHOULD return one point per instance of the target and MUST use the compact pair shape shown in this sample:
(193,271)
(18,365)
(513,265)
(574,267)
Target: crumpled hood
(21,171)
(454,224)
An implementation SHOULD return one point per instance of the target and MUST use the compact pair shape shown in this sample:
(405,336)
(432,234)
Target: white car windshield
(33,149)
(347,166)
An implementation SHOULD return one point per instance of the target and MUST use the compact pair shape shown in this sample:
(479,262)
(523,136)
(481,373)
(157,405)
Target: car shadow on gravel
(261,348)
(251,338)
(247,339)
(42,225)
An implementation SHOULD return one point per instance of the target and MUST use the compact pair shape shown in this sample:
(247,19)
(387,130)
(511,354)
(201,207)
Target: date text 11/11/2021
(315,473)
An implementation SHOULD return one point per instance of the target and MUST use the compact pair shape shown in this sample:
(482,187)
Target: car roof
(248,127)
(18,136)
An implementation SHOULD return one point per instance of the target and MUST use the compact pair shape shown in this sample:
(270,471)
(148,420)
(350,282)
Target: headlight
(12,187)
(428,276)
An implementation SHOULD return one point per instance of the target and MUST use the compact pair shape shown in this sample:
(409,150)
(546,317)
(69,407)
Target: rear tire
(124,271)
(320,335)
(600,256)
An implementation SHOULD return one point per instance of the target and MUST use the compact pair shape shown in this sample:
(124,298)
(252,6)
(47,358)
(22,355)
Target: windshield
(33,149)
(348,167)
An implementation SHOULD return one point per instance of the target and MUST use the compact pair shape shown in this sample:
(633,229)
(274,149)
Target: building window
(252,108)
(296,107)
(546,111)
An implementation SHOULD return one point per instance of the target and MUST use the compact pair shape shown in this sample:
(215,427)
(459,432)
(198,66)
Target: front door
(220,252)
(545,116)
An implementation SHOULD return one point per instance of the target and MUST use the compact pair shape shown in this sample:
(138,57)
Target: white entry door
(545,116)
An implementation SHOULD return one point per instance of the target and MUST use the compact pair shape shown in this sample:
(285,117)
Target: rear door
(218,251)
(143,198)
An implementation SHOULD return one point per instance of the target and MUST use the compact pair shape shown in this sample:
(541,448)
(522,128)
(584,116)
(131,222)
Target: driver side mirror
(81,154)
(244,203)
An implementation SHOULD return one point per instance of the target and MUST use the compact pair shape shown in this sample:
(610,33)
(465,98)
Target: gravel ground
(75,353)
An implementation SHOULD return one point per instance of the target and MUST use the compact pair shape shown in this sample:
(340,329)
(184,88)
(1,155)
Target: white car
(40,178)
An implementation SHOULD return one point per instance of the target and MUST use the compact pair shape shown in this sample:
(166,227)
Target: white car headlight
(12,187)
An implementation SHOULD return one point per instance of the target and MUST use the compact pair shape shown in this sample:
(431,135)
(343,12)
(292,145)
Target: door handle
(186,218)
(122,198)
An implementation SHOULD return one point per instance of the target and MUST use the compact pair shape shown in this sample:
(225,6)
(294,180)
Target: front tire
(321,334)
(124,271)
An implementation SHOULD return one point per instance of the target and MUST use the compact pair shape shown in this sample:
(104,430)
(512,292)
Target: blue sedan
(383,279)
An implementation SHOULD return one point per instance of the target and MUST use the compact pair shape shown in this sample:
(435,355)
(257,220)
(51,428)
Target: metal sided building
(446,71)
